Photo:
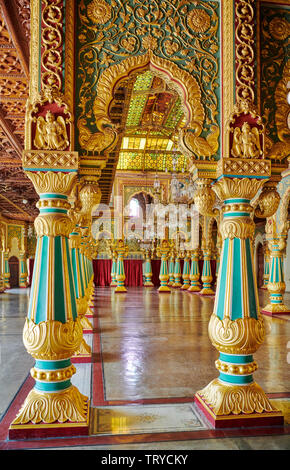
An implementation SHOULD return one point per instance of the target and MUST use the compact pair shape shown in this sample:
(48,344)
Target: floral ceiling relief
(275,76)
(171,33)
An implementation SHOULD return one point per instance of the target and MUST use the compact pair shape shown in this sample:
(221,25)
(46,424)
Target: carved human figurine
(51,133)
(246,142)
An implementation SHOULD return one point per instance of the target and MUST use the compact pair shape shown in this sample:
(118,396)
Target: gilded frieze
(275,75)
(111,33)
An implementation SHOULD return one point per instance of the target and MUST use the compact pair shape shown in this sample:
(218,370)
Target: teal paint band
(52,386)
(237,201)
(52,196)
(236,379)
(52,365)
(236,359)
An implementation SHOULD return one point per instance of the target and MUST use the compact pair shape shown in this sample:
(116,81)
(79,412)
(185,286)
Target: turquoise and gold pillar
(171,266)
(194,272)
(148,269)
(52,331)
(84,351)
(114,270)
(177,271)
(276,285)
(23,274)
(163,251)
(6,271)
(266,267)
(186,272)
(206,276)
(122,250)
(236,327)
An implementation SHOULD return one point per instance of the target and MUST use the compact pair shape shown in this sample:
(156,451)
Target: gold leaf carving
(52,340)
(241,336)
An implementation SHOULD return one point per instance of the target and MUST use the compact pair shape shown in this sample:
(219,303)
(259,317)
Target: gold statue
(51,133)
(246,142)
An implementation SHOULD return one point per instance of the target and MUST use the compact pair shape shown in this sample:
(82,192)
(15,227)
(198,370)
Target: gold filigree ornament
(246,142)
(40,407)
(204,197)
(53,225)
(227,188)
(237,229)
(99,11)
(268,202)
(279,28)
(52,340)
(198,20)
(51,132)
(241,336)
(226,399)
(52,181)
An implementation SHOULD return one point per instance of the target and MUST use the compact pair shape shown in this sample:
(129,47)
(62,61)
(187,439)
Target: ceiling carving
(17,194)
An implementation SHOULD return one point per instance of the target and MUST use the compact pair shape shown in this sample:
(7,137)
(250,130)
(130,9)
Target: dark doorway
(14,271)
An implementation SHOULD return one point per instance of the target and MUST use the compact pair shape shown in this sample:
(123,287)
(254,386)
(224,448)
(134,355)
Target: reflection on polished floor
(151,353)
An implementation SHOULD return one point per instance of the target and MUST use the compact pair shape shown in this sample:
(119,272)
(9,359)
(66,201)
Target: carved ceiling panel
(17,194)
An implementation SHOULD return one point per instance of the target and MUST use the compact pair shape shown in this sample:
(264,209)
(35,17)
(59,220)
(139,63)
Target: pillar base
(68,411)
(193,289)
(176,285)
(120,289)
(148,284)
(272,309)
(185,286)
(229,406)
(113,284)
(163,289)
(207,291)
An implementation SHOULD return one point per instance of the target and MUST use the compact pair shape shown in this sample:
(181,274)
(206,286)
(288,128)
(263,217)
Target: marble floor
(151,354)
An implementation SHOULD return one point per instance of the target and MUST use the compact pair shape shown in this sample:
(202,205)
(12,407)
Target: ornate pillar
(148,269)
(266,267)
(276,285)
(114,269)
(23,274)
(206,276)
(121,250)
(177,270)
(236,327)
(84,351)
(218,255)
(194,272)
(52,331)
(186,272)
(171,268)
(6,272)
(163,250)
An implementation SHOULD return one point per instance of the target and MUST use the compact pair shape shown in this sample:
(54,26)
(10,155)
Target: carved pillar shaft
(206,276)
(236,327)
(23,270)
(163,251)
(148,270)
(177,272)
(6,271)
(194,273)
(52,331)
(120,273)
(84,350)
(266,268)
(114,270)
(276,285)
(171,270)
(186,273)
